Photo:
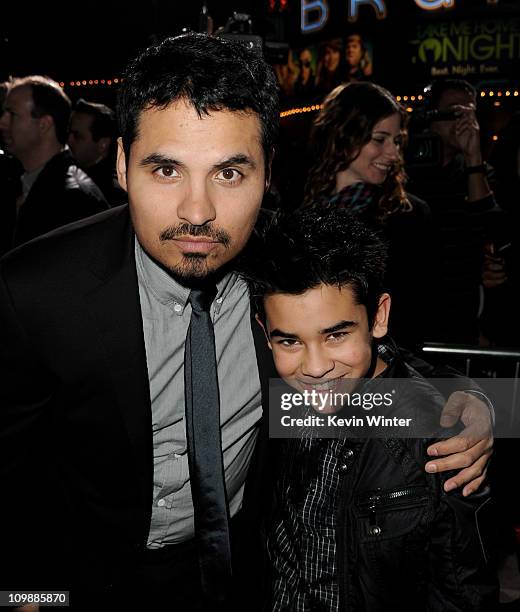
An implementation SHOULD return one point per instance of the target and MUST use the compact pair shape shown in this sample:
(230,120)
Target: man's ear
(259,321)
(46,123)
(380,327)
(121,164)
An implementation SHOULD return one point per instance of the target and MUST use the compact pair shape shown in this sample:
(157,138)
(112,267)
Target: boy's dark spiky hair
(315,245)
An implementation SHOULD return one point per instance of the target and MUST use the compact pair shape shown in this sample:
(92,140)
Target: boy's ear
(260,322)
(380,327)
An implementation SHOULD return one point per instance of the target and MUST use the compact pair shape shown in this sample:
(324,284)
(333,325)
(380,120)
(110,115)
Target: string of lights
(491,93)
(91,83)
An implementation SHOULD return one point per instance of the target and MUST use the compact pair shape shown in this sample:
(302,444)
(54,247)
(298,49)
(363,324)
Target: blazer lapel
(115,305)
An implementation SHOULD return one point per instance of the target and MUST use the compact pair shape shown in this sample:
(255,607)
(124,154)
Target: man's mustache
(195,231)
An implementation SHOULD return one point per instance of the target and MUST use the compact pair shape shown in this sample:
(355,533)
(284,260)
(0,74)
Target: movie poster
(467,48)
(313,71)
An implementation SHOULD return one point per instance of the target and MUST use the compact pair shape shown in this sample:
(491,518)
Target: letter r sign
(378,5)
(433,5)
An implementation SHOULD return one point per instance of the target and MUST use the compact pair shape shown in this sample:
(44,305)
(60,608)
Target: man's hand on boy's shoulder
(471,449)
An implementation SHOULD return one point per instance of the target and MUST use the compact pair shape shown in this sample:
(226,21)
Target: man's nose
(196,207)
(316,363)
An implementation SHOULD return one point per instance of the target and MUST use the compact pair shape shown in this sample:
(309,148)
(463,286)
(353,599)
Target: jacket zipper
(409,496)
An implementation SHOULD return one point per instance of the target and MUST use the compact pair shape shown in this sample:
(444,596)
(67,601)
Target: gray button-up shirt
(166,317)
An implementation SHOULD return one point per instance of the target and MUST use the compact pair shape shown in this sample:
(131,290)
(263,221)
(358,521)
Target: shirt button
(349,453)
(219,300)
(177,307)
(343,467)
(375,531)
(161,503)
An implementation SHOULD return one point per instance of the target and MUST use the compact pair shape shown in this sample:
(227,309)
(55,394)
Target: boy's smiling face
(322,336)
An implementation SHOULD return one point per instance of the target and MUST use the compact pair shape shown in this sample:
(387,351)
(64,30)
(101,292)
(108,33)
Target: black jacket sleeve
(461,553)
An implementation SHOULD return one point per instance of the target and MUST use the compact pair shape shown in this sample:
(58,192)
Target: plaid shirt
(302,544)
(302,540)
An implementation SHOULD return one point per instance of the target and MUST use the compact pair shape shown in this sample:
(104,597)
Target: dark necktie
(205,448)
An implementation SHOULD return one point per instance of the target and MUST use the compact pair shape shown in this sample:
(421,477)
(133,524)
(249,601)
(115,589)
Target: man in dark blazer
(92,141)
(93,320)
(54,191)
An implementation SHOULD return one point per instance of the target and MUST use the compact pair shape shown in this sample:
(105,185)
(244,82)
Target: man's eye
(229,175)
(166,171)
(337,336)
(287,342)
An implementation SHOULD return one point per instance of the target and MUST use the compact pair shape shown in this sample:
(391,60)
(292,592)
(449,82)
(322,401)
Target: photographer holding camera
(455,184)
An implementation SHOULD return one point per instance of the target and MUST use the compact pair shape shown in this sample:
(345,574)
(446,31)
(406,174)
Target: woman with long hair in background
(357,163)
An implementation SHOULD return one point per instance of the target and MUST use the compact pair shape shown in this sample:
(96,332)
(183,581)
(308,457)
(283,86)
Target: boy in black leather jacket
(357,524)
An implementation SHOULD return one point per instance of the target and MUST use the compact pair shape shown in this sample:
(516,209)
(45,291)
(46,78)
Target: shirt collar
(169,291)
(29,178)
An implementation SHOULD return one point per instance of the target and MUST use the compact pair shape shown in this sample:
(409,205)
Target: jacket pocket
(392,536)
(390,513)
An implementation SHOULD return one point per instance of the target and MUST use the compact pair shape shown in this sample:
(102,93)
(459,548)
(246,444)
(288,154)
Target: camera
(240,27)
(424,117)
(424,147)
(423,151)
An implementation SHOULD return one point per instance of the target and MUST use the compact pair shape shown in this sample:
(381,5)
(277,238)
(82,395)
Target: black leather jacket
(402,543)
(61,194)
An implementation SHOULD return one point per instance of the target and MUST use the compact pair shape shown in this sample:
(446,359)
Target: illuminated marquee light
(433,5)
(92,82)
(313,7)
(378,5)
(315,13)
(316,107)
(300,110)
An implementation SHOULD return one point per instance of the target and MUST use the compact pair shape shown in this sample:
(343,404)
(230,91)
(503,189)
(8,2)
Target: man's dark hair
(104,122)
(48,99)
(317,244)
(437,88)
(210,73)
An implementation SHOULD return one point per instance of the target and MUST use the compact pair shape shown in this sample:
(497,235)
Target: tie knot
(201,299)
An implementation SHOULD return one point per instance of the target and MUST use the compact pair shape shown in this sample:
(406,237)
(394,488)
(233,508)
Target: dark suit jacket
(61,194)
(76,454)
(104,176)
(10,189)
